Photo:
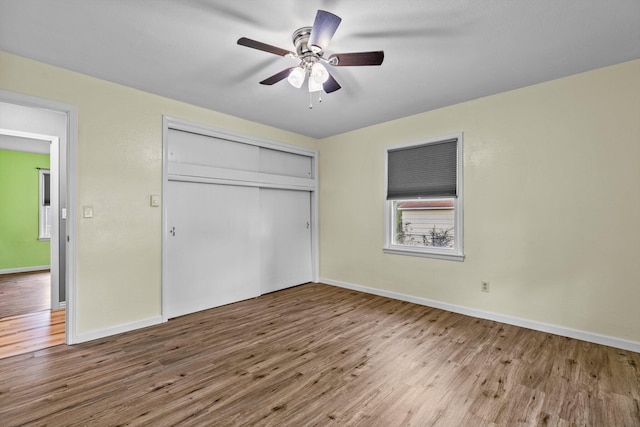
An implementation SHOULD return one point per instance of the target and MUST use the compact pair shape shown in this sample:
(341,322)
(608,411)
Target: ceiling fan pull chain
(320,97)
(310,100)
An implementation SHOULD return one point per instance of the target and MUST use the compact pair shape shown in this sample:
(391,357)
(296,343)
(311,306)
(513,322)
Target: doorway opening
(37,309)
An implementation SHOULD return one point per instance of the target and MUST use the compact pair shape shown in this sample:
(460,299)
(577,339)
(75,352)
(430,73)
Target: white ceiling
(437,52)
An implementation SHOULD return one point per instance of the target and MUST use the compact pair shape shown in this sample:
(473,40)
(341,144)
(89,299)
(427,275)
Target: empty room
(320,213)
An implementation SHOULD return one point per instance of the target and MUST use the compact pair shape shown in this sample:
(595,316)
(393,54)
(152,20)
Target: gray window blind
(46,199)
(423,171)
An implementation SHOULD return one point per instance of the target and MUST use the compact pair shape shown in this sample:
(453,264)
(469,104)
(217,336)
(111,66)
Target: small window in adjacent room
(424,199)
(44,205)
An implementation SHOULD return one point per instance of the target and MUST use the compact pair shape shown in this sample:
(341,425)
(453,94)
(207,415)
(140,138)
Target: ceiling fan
(310,44)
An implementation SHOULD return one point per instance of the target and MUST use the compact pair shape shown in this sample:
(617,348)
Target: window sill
(425,254)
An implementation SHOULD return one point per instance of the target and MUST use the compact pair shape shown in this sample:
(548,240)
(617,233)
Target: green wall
(19,244)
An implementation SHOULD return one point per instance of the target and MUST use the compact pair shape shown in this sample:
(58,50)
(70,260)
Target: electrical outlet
(484,286)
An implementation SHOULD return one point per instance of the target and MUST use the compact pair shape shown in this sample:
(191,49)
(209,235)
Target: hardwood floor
(26,321)
(31,332)
(24,293)
(317,355)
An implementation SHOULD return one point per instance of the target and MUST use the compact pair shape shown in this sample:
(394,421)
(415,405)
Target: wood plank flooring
(31,332)
(24,293)
(26,321)
(317,355)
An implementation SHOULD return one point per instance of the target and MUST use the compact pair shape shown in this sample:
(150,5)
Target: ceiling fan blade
(331,85)
(243,41)
(357,58)
(277,77)
(324,27)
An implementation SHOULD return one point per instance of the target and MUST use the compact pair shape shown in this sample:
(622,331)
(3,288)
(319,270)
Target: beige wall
(552,202)
(552,187)
(119,166)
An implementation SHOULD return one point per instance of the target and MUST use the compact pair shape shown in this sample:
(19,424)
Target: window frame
(42,208)
(457,252)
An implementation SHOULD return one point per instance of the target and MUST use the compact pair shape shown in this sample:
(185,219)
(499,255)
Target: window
(44,205)
(424,199)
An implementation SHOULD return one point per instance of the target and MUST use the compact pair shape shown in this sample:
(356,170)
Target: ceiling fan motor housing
(301,41)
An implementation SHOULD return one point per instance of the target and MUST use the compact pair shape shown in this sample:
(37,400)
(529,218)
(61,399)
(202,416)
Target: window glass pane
(427,223)
(47,222)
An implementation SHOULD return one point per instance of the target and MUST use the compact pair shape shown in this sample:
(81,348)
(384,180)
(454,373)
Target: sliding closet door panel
(213,246)
(286,238)
(187,147)
(282,163)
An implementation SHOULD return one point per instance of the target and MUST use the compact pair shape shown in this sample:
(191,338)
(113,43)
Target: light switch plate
(87,211)
(155,200)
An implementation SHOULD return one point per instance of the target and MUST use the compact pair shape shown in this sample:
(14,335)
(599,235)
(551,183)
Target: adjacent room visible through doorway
(34,255)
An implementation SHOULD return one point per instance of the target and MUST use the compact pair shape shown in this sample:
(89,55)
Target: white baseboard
(94,335)
(510,320)
(24,269)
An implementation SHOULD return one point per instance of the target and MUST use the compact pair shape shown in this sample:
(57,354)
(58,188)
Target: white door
(213,246)
(286,238)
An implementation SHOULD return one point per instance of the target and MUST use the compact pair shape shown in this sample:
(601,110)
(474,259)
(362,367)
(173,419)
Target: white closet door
(213,246)
(286,238)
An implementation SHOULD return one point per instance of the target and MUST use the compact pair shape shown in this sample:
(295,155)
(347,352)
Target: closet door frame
(310,185)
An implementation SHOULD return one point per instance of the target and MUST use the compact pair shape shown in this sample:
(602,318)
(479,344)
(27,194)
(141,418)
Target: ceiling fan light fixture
(319,73)
(314,85)
(296,77)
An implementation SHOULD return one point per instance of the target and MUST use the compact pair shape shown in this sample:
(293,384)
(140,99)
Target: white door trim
(71,149)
